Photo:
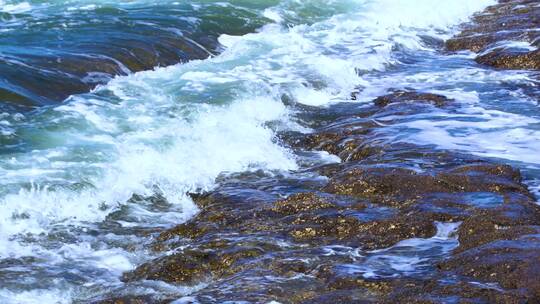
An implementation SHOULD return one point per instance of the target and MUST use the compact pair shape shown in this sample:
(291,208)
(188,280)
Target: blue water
(104,104)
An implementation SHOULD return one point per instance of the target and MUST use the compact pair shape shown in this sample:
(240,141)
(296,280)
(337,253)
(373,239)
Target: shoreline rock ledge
(505,35)
(300,240)
(391,223)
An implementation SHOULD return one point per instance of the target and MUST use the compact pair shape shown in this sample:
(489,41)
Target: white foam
(273,15)
(484,132)
(16,8)
(509,44)
(424,14)
(35,297)
(534,187)
(331,51)
(176,129)
(409,256)
(312,97)
(222,139)
(89,7)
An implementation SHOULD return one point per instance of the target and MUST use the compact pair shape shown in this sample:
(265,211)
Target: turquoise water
(50,50)
(107,105)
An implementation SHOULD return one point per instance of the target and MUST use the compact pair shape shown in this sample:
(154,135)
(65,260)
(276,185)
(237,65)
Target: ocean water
(195,90)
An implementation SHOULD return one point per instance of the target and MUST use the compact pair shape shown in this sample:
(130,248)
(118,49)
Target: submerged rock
(262,239)
(132,300)
(193,266)
(12,97)
(398,186)
(412,97)
(505,264)
(506,59)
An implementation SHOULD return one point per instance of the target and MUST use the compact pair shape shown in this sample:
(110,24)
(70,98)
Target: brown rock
(397,185)
(192,266)
(301,202)
(411,96)
(506,59)
(513,265)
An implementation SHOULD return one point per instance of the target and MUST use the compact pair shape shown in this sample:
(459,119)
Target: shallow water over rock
(375,225)
(295,152)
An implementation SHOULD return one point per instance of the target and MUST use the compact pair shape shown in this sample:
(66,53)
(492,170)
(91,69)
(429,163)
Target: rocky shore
(392,222)
(64,63)
(504,36)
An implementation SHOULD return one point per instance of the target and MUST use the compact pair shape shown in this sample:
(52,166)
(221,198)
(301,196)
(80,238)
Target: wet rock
(337,280)
(499,170)
(508,222)
(191,229)
(483,177)
(397,186)
(348,143)
(290,267)
(309,227)
(411,96)
(260,286)
(469,292)
(324,141)
(262,238)
(369,235)
(193,266)
(506,21)
(506,59)
(381,234)
(511,264)
(8,96)
(348,147)
(450,291)
(477,43)
(301,202)
(133,300)
(384,184)
(358,296)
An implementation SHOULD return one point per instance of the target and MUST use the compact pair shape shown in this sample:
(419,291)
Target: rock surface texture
(391,223)
(505,35)
(341,238)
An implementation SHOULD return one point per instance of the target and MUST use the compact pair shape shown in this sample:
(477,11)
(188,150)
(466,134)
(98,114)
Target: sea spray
(75,172)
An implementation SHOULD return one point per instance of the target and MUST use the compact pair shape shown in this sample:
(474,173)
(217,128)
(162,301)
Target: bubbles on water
(15,7)
(411,257)
(490,115)
(35,297)
(174,130)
